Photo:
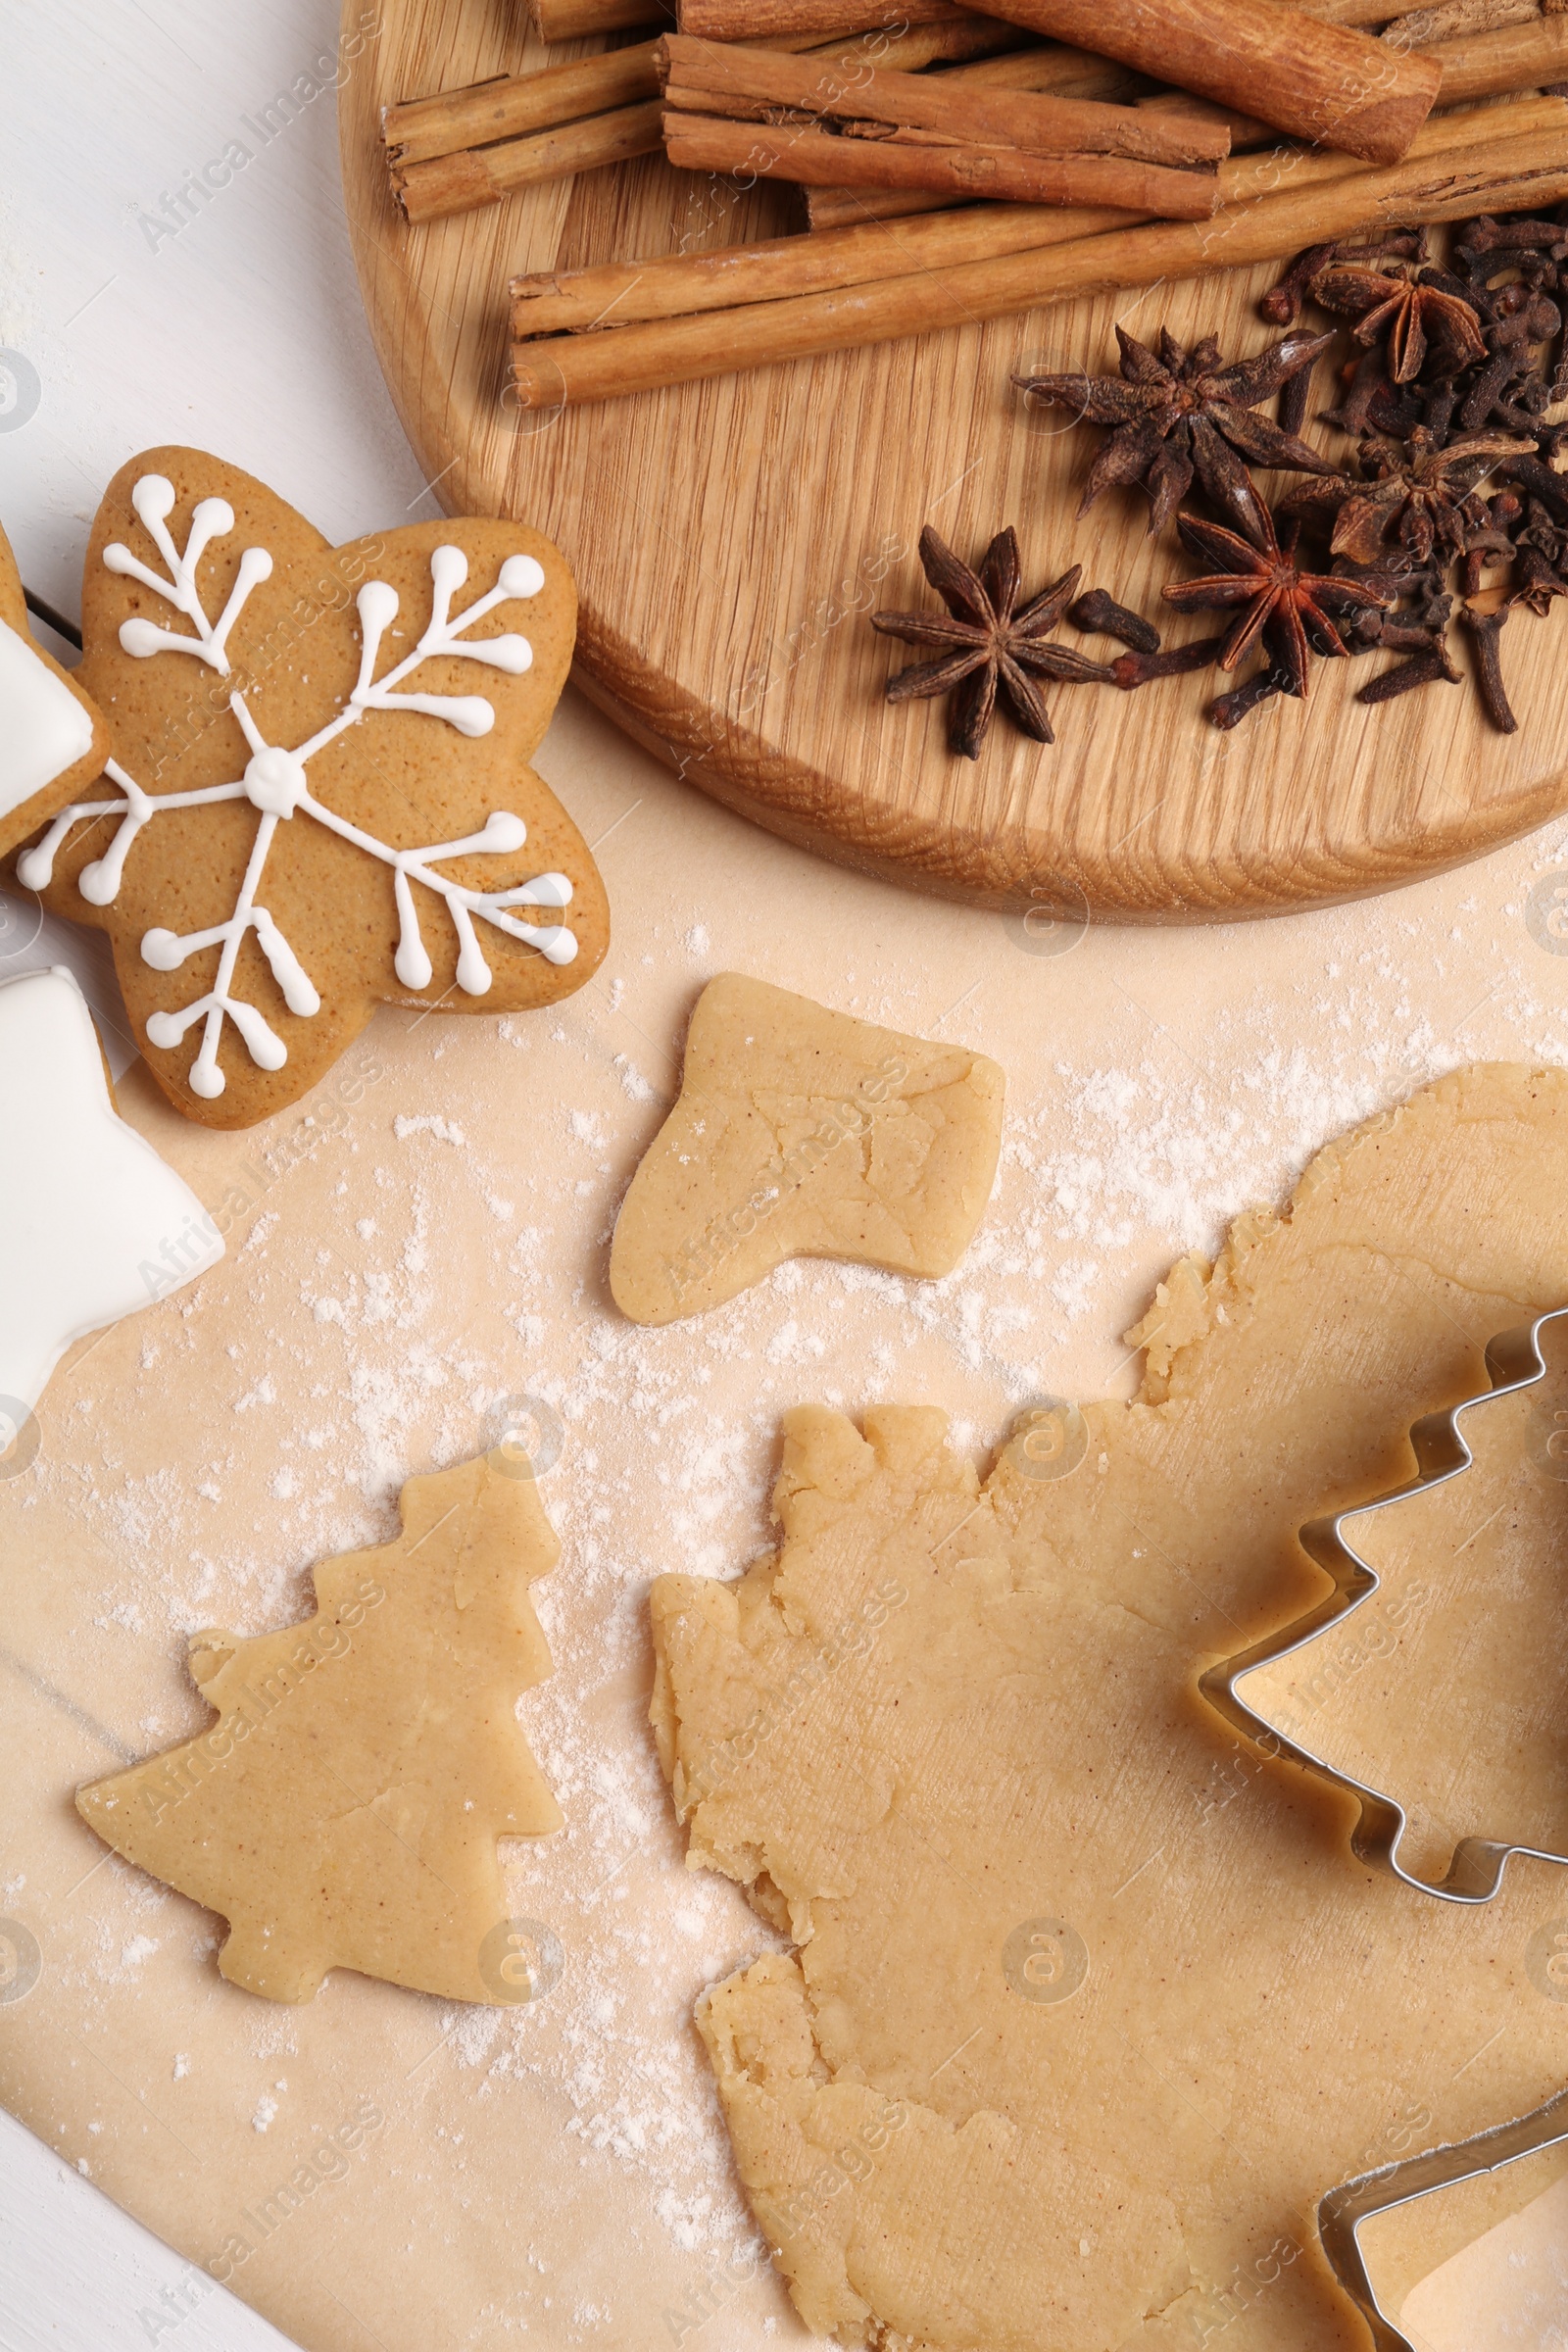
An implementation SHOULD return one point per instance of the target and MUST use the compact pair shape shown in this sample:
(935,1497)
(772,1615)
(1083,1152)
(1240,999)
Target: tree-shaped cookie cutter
(1514,1362)
(1341,2214)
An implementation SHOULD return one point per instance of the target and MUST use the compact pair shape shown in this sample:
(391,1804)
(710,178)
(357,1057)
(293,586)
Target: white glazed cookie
(53,740)
(94,1225)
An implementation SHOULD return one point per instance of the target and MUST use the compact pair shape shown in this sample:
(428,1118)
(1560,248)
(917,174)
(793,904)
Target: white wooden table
(240,332)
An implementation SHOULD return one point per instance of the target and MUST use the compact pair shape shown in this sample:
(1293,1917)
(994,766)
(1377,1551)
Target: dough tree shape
(1090,2002)
(319,796)
(342,1811)
(804,1132)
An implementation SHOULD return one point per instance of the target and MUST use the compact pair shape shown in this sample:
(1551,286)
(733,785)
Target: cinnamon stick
(753,85)
(1047,66)
(1493,163)
(421,130)
(767,21)
(1458,19)
(480,176)
(710,143)
(1325,83)
(1360,12)
(1518,57)
(771,23)
(575,20)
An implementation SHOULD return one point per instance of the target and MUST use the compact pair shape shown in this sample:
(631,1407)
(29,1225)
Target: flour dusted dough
(804,1132)
(1090,2003)
(343,1811)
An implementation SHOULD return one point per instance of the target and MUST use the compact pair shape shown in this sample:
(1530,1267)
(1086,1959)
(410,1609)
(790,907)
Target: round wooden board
(730,537)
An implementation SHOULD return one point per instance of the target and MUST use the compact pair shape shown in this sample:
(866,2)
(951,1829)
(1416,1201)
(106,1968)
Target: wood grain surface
(730,538)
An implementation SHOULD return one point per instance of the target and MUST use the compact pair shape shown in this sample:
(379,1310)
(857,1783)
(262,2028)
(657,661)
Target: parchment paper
(425,1239)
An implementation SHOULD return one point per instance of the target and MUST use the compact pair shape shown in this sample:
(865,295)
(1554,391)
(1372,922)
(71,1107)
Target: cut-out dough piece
(804,1132)
(94,1225)
(1091,2004)
(343,1810)
(53,739)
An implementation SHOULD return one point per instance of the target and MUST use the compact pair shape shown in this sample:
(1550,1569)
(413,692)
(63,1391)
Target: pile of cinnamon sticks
(465,148)
(696,315)
(827,126)
(462,149)
(1113,145)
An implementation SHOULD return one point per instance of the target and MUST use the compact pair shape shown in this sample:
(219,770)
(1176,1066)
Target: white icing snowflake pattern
(276,784)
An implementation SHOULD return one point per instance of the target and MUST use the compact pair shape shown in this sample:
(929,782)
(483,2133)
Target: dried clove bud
(1422,669)
(1227,710)
(1098,614)
(1138,669)
(1487,628)
(1281,306)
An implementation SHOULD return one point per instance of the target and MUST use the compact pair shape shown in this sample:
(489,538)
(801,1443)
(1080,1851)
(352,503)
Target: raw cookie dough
(1091,2004)
(343,1811)
(804,1132)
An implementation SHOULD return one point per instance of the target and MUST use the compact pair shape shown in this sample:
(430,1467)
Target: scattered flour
(395,1352)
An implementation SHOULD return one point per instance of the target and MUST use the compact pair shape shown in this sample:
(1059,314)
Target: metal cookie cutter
(1341,2212)
(1514,1362)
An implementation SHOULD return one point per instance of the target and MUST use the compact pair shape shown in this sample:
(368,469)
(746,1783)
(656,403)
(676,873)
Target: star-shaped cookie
(319,797)
(94,1225)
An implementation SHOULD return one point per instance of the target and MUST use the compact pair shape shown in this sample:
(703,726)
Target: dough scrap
(343,1810)
(804,1132)
(1090,2002)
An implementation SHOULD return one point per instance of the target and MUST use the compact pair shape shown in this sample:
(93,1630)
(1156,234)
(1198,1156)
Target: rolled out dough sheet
(1091,2005)
(423,1243)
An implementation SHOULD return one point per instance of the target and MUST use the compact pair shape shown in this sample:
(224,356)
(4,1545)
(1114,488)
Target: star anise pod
(1411,309)
(1176,412)
(1415,493)
(1276,600)
(990,644)
(1282,305)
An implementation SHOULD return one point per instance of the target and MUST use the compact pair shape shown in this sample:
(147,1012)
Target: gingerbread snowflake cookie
(319,797)
(53,742)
